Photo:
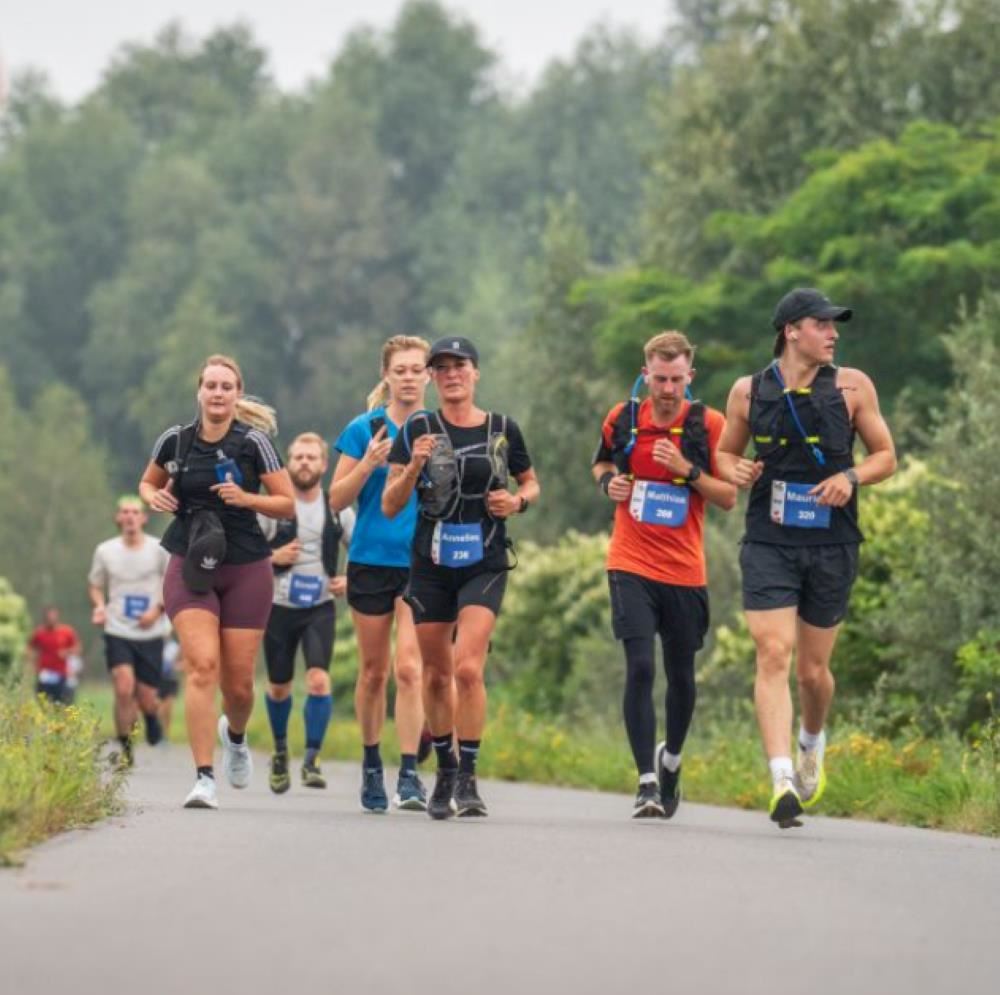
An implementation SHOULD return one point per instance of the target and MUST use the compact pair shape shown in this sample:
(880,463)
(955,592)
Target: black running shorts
(438,594)
(144,656)
(815,579)
(373,590)
(288,628)
(643,608)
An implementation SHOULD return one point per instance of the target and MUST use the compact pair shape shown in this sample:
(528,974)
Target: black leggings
(641,610)
(640,715)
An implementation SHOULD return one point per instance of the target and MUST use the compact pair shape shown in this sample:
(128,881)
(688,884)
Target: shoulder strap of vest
(694,441)
(497,423)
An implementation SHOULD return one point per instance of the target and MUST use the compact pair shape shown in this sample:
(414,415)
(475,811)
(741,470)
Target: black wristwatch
(694,474)
(852,476)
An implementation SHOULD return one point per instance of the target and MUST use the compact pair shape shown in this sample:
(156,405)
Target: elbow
(388,508)
(729,501)
(337,503)
(286,508)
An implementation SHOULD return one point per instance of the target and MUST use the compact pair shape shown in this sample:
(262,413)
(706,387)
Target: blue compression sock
(317,711)
(277,715)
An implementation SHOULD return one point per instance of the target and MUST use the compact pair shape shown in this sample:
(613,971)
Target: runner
(218,586)
(125,586)
(51,645)
(377,571)
(800,550)
(170,682)
(305,552)
(458,460)
(656,461)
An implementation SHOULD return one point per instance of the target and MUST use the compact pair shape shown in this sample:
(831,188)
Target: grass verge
(51,775)
(940,783)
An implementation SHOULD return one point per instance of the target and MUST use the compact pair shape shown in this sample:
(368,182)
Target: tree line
(187,205)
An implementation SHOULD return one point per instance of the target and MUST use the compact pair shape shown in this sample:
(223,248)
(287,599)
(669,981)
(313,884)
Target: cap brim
(834,313)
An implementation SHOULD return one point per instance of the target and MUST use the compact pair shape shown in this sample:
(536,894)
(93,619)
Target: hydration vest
(789,453)
(185,441)
(333,532)
(691,436)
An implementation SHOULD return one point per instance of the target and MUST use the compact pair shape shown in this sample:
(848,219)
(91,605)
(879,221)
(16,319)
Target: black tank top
(788,456)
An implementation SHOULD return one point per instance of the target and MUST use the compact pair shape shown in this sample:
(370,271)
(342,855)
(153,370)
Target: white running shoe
(236,759)
(203,794)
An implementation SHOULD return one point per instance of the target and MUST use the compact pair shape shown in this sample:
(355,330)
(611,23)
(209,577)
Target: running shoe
(312,776)
(126,758)
(786,805)
(442,801)
(468,804)
(411,795)
(669,784)
(203,794)
(810,776)
(236,759)
(373,796)
(279,780)
(647,802)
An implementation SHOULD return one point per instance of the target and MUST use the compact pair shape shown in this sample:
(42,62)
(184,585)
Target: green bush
(14,628)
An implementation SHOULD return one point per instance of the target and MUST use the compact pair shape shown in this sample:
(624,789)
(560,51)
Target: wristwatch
(852,476)
(525,504)
(694,474)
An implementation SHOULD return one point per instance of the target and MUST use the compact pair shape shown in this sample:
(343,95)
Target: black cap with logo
(453,345)
(206,551)
(804,302)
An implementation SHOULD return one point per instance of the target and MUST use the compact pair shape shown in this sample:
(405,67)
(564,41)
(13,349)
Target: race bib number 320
(792,505)
(659,504)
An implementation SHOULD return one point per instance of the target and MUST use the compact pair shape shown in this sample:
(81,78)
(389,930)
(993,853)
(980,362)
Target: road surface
(557,891)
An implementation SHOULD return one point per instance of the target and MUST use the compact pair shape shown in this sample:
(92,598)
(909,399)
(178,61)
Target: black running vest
(787,456)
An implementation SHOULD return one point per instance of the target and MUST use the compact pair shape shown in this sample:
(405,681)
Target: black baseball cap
(205,553)
(453,345)
(807,302)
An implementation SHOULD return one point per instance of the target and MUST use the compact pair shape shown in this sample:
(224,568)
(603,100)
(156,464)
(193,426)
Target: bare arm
(350,474)
(156,488)
(403,477)
(502,503)
(732,465)
(715,491)
(98,603)
(880,462)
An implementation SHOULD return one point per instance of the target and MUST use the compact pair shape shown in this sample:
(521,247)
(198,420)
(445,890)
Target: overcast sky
(72,41)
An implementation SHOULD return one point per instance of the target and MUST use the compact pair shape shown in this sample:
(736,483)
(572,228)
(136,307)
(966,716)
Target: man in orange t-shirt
(656,461)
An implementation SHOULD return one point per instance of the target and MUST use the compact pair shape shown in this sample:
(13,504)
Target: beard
(304,480)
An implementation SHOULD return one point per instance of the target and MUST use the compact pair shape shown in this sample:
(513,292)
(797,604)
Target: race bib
(136,605)
(304,591)
(456,545)
(50,677)
(792,505)
(659,504)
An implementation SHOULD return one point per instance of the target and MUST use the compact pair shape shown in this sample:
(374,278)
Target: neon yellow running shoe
(810,776)
(786,805)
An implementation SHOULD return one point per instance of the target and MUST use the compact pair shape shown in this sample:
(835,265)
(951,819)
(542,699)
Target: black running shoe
(442,800)
(467,799)
(647,802)
(670,784)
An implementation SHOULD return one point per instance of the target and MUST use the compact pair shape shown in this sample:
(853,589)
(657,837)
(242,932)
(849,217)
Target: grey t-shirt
(132,580)
(306,583)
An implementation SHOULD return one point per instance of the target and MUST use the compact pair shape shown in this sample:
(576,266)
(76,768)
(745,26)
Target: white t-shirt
(132,579)
(306,583)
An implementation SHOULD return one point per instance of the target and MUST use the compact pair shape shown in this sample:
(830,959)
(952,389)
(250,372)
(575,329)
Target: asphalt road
(557,891)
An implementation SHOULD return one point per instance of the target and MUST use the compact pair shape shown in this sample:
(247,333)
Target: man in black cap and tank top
(799,556)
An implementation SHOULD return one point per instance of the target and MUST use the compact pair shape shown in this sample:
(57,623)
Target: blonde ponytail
(255,413)
(398,343)
(379,396)
(250,410)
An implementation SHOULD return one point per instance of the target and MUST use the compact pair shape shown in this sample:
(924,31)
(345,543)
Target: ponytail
(255,413)
(379,396)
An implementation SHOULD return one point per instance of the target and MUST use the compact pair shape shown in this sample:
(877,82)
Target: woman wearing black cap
(459,460)
(218,586)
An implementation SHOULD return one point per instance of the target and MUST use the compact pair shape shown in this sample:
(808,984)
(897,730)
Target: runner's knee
(317,681)
(279,692)
(468,675)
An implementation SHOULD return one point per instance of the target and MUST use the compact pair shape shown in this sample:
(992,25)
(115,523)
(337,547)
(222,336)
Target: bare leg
(239,653)
(815,679)
(438,675)
(198,633)
(475,626)
(773,633)
(126,711)
(374,649)
(409,697)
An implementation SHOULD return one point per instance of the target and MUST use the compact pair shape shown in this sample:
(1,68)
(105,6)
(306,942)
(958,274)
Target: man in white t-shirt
(126,590)
(306,580)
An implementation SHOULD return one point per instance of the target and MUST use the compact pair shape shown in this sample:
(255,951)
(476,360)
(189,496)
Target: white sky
(72,41)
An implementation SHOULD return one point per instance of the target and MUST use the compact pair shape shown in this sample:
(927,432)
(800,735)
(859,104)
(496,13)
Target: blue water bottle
(226,469)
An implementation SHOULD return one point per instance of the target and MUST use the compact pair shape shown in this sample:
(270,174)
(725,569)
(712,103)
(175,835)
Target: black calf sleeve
(640,715)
